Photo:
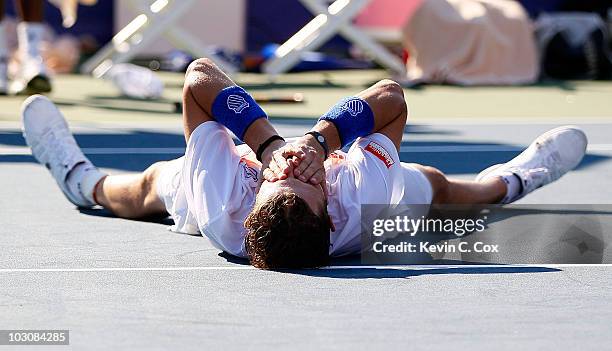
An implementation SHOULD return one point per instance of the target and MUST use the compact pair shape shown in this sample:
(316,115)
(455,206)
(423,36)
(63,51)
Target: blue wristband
(353,118)
(236,109)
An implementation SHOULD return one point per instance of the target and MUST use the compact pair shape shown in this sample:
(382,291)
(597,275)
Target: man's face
(313,195)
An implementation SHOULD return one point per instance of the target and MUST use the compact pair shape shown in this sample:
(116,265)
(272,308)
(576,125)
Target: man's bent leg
(547,159)
(132,195)
(386,97)
(454,191)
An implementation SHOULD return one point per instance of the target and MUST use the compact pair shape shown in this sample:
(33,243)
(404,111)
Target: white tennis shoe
(549,157)
(53,145)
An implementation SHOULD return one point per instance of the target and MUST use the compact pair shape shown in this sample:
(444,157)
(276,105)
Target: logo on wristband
(236,103)
(353,107)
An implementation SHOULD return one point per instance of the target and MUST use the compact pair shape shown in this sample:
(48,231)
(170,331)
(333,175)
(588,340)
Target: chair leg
(329,21)
(154,21)
(186,41)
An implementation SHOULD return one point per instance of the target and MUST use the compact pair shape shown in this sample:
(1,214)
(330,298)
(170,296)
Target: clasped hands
(302,159)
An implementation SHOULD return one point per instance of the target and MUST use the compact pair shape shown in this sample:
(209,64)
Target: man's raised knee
(199,71)
(439,183)
(393,94)
(203,73)
(390,86)
(202,64)
(149,177)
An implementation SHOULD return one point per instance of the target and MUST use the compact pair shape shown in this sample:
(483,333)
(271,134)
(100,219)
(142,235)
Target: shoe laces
(535,176)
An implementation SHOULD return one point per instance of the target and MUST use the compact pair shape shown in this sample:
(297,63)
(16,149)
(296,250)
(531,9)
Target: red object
(380,152)
(405,55)
(392,14)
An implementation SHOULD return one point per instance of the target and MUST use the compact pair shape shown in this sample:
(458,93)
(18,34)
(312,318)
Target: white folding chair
(329,21)
(155,20)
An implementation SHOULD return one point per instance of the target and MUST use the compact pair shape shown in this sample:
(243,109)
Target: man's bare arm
(203,83)
(386,100)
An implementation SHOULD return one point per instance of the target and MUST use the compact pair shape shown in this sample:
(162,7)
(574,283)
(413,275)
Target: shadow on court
(104,213)
(350,267)
(382,273)
(154,109)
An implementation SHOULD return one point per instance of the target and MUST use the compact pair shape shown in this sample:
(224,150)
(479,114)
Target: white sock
(513,186)
(29,35)
(83,179)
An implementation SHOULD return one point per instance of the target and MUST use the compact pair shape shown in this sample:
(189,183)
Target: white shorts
(168,182)
(421,191)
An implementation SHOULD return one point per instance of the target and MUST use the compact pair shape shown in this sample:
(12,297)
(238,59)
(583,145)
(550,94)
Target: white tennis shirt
(211,190)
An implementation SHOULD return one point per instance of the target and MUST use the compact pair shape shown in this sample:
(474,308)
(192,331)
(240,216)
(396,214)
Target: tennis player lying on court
(307,206)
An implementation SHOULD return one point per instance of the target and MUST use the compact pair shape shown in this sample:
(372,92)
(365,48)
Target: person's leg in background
(4,54)
(32,77)
(30,11)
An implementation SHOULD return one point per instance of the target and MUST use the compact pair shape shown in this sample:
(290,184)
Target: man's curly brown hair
(284,233)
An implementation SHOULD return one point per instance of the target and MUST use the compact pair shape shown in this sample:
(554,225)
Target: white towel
(471,42)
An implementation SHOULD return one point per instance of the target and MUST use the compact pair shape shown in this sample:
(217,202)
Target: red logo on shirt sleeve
(380,152)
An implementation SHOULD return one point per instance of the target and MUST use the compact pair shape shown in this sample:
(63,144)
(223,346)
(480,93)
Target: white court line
(251,268)
(404,149)
(106,151)
(483,148)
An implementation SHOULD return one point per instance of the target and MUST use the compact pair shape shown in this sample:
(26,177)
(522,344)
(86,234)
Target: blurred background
(466,42)
(491,59)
